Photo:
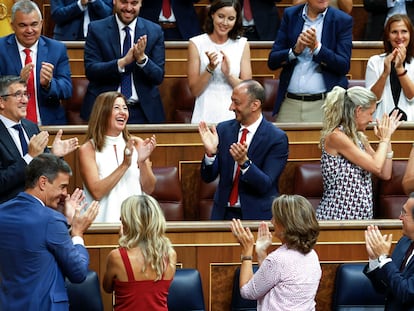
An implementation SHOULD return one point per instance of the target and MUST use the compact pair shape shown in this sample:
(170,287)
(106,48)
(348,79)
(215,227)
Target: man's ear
(42,182)
(256,105)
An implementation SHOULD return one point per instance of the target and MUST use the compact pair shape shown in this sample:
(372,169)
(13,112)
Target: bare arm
(90,175)
(197,80)
(110,272)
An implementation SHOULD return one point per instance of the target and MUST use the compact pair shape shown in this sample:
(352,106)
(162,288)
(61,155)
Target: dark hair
(255,90)
(297,216)
(387,44)
(45,164)
(6,81)
(237,30)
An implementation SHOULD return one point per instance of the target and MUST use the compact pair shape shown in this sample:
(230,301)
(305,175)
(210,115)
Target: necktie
(126,82)
(31,105)
(247,10)
(23,142)
(407,255)
(166,8)
(234,194)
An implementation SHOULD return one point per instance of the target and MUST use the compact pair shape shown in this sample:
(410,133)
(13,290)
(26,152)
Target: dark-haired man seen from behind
(37,251)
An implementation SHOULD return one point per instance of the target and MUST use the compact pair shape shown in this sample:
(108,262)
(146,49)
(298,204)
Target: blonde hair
(144,227)
(297,216)
(339,110)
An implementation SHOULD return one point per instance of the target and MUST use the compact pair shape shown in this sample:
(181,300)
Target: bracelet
(243,258)
(209,70)
(402,74)
(389,155)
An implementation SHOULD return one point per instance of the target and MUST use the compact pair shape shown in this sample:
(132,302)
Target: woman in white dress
(217,61)
(391,75)
(113,164)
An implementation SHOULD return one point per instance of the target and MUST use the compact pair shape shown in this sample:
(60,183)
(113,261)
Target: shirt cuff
(209,160)
(78,240)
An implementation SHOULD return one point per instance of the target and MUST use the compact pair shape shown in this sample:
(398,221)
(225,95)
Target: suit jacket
(68,17)
(398,286)
(334,57)
(51,51)
(101,68)
(377,12)
(184,12)
(266,18)
(258,186)
(36,253)
(12,165)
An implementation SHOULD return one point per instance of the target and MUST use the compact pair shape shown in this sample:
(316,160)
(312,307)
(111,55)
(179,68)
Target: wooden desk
(210,247)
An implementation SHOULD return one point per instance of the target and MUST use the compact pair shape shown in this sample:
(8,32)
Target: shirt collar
(121,25)
(252,128)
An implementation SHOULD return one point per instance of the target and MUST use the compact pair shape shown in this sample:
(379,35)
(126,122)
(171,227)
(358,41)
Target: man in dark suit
(313,47)
(179,23)
(258,161)
(107,66)
(13,156)
(393,275)
(72,17)
(50,63)
(37,251)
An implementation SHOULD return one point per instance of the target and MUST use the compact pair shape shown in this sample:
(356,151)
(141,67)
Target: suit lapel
(8,140)
(328,29)
(113,32)
(14,57)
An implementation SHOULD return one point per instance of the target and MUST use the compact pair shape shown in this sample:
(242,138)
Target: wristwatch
(246,164)
(243,258)
(381,258)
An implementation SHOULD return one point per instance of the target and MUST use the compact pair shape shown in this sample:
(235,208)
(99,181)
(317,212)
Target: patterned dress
(347,189)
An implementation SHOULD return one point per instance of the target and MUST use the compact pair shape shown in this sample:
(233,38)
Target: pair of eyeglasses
(18,95)
(403,213)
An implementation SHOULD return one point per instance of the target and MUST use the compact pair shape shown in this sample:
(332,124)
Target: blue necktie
(23,142)
(126,82)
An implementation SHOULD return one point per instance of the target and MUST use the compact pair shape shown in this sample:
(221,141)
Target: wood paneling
(210,247)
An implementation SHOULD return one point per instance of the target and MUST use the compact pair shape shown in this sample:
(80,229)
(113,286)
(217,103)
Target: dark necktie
(407,255)
(23,142)
(166,8)
(31,104)
(234,194)
(126,82)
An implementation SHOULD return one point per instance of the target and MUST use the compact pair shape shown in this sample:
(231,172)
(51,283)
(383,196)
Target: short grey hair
(26,7)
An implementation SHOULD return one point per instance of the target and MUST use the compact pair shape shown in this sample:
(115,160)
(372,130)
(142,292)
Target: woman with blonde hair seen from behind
(114,164)
(141,270)
(348,159)
(218,60)
(287,278)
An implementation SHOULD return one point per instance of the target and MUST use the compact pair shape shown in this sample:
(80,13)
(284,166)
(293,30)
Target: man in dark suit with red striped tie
(393,275)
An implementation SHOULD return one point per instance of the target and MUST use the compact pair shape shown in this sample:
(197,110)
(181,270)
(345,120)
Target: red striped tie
(31,105)
(234,194)
(247,10)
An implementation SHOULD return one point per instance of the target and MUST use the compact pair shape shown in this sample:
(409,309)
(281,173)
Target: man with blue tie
(125,52)
(393,274)
(20,139)
(248,153)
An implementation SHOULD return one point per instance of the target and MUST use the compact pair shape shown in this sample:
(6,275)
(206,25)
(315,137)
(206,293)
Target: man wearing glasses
(20,139)
(42,62)
(393,275)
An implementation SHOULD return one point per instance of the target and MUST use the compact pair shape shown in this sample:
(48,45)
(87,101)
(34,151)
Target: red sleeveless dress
(139,295)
